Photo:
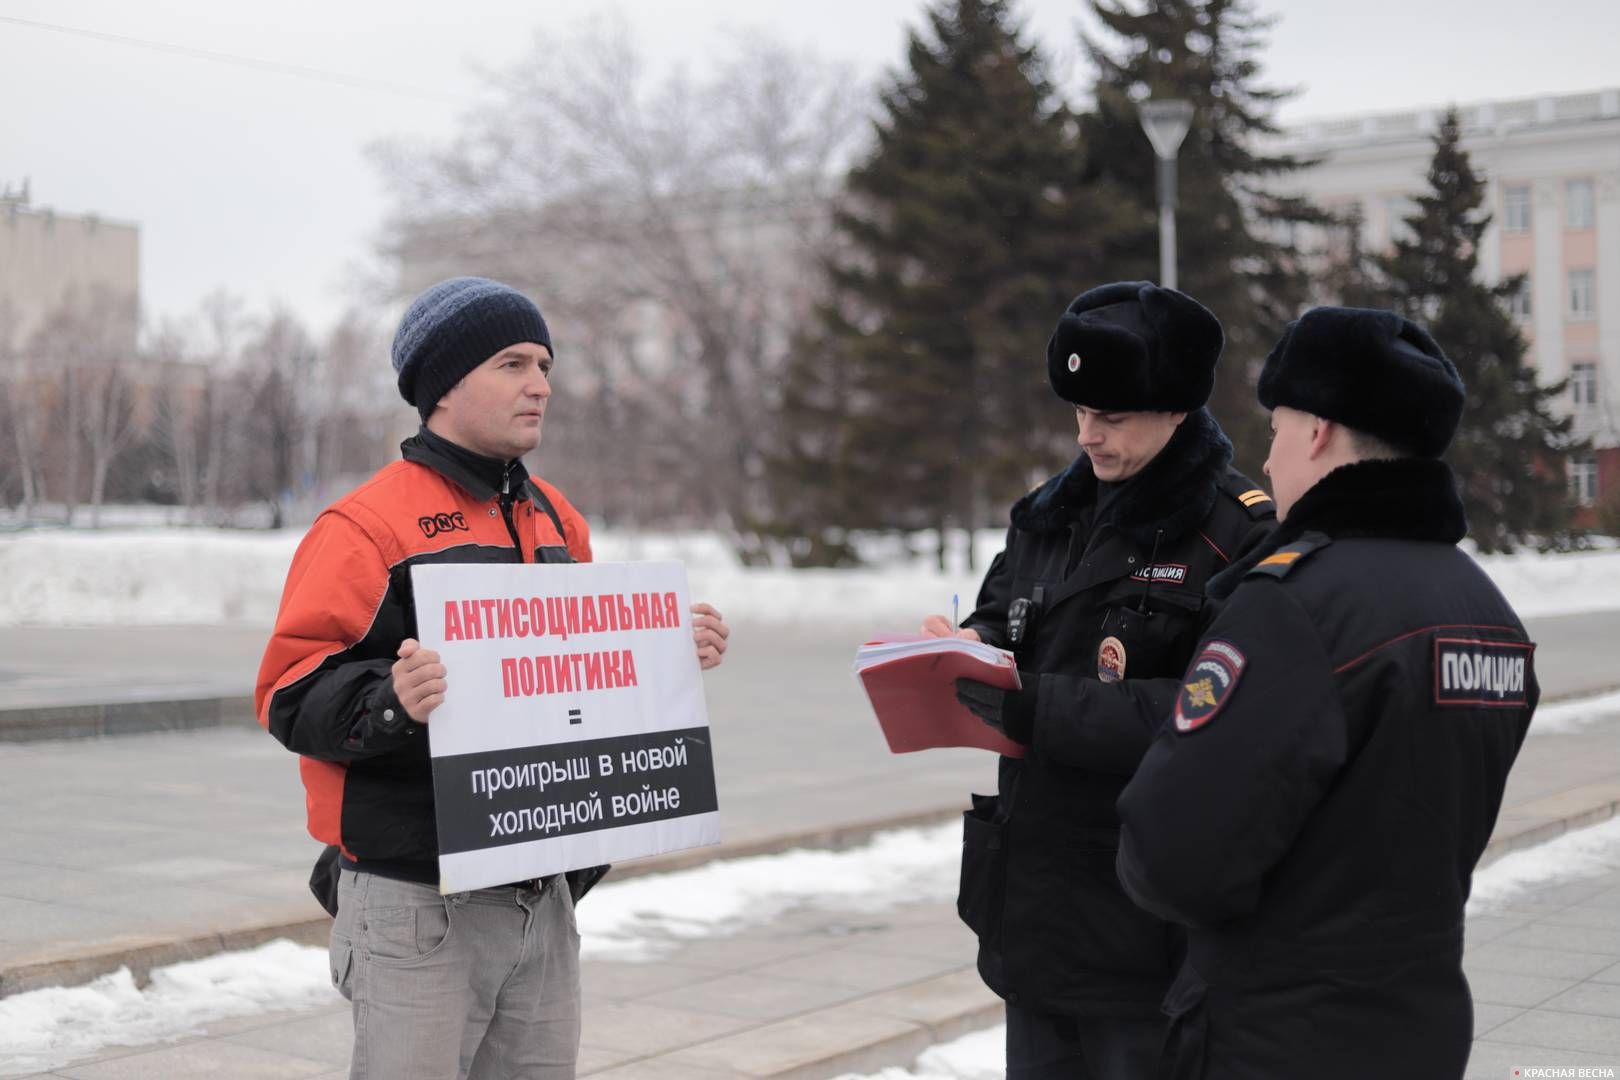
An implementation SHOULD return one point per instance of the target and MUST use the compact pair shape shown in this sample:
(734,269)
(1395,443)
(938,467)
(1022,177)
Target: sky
(241,149)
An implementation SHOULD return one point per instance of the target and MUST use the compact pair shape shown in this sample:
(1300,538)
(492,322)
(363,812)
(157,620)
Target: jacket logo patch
(1171,573)
(1208,684)
(442,523)
(1472,671)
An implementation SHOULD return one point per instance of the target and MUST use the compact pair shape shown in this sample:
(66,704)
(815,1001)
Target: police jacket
(1120,594)
(1331,772)
(325,688)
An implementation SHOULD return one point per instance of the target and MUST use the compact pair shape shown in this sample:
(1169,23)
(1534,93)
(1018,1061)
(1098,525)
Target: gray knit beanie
(455,326)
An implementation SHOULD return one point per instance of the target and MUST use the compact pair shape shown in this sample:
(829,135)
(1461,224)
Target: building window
(1583,477)
(1583,386)
(1582,295)
(1578,204)
(1519,302)
(1516,208)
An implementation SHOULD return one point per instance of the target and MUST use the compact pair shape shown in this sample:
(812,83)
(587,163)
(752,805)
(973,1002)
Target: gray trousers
(475,986)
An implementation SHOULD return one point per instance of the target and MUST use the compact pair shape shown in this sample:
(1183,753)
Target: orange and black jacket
(325,689)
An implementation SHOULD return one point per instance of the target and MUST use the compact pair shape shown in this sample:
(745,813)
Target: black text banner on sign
(574,731)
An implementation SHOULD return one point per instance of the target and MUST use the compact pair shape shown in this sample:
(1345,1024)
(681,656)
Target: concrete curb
(1601,810)
(141,957)
(48,722)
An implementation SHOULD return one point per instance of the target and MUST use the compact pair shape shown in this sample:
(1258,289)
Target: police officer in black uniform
(1100,594)
(1314,806)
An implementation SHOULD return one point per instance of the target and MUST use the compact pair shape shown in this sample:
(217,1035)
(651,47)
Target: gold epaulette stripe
(1282,558)
(1249,498)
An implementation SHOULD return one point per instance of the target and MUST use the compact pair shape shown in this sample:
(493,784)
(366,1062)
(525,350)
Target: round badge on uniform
(1111,659)
(1074,362)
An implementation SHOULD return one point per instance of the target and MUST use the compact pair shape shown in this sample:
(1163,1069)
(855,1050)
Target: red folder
(914,693)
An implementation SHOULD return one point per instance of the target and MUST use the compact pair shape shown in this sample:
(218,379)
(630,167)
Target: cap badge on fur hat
(1074,361)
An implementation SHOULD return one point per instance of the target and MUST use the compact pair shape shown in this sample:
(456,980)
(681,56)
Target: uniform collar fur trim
(1174,492)
(1409,499)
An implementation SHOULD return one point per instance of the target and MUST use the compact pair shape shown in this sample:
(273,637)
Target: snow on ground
(1566,717)
(1574,856)
(635,920)
(45,1029)
(641,918)
(214,576)
(979,1056)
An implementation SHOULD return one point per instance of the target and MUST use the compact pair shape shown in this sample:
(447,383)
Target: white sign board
(573,732)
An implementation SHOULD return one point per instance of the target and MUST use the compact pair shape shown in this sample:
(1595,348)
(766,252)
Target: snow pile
(214,577)
(152,576)
(1567,717)
(217,576)
(1567,584)
(633,920)
(979,1056)
(641,918)
(45,1029)
(1574,856)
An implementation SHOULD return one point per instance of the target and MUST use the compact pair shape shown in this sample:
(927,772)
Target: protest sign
(573,731)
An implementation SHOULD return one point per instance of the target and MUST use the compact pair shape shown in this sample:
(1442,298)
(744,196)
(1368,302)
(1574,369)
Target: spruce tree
(1235,252)
(919,400)
(1511,449)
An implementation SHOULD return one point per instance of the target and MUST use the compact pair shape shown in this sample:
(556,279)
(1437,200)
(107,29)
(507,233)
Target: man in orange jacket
(483,984)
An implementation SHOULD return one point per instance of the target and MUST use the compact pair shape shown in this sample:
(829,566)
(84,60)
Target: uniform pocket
(984,869)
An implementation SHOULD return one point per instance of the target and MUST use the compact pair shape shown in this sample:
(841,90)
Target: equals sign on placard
(574,717)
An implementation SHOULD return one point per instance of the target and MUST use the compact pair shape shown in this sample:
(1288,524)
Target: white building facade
(1552,169)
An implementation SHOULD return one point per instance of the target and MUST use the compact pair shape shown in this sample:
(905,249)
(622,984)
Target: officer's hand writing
(940,626)
(419,680)
(1011,712)
(710,631)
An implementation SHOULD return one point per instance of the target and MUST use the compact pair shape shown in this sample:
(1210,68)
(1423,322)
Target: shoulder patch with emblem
(1280,562)
(1477,671)
(1208,684)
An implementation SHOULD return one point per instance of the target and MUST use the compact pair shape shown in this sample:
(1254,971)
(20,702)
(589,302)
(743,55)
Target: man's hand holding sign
(419,675)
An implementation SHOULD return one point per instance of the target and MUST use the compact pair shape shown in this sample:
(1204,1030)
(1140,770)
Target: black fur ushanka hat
(1134,347)
(1371,370)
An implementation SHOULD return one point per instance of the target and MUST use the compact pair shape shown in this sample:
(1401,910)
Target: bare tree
(667,225)
(223,458)
(280,367)
(25,405)
(107,398)
(357,407)
(80,357)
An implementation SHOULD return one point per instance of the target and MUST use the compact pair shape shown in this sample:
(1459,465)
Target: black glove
(1011,712)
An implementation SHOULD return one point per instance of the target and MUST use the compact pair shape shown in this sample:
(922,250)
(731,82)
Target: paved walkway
(146,849)
(819,992)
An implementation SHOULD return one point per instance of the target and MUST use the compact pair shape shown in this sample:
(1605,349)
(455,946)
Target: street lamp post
(1166,123)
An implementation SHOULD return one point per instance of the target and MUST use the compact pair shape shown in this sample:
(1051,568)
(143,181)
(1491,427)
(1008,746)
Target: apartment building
(1552,166)
(47,256)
